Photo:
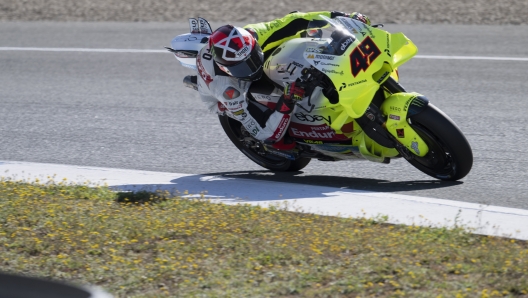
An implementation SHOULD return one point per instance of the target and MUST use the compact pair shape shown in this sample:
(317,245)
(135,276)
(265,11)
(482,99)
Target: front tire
(450,157)
(234,131)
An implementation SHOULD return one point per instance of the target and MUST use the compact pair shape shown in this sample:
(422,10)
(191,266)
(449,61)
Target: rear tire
(450,157)
(271,162)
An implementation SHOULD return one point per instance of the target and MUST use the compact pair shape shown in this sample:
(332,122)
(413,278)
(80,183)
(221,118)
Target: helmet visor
(249,68)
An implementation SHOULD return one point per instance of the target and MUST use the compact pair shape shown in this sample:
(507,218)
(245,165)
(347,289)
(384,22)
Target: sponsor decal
(312,134)
(311,56)
(313,50)
(312,118)
(346,43)
(387,50)
(297,64)
(382,77)
(343,86)
(396,109)
(240,113)
(320,132)
(274,24)
(290,68)
(363,55)
(394,117)
(316,62)
(234,105)
(356,83)
(313,142)
(346,24)
(414,146)
(370,116)
(252,128)
(418,102)
(328,64)
(262,97)
(221,107)
(407,103)
(356,29)
(333,71)
(202,72)
(281,129)
(231,93)
(368,29)
(243,52)
(400,133)
(324,57)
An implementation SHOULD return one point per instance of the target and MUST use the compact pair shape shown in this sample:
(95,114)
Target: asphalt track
(128,110)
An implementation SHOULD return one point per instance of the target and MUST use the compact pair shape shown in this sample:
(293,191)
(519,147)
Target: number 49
(363,56)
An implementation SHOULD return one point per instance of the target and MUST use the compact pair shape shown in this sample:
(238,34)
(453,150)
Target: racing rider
(233,60)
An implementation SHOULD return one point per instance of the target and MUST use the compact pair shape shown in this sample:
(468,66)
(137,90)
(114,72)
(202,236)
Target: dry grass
(145,245)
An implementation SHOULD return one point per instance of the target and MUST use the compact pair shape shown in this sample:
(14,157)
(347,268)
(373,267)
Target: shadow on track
(269,186)
(337,181)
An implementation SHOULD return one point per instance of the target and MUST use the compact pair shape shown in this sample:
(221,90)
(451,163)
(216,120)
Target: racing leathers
(226,94)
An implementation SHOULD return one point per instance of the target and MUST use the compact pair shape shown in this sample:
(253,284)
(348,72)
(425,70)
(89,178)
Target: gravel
(492,12)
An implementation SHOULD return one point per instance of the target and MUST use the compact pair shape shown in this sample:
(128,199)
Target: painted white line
(400,209)
(93,50)
(82,50)
(470,58)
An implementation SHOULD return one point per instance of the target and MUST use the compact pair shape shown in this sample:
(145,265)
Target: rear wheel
(252,148)
(450,156)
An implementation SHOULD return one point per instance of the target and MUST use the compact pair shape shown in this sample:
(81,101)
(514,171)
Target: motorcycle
(374,117)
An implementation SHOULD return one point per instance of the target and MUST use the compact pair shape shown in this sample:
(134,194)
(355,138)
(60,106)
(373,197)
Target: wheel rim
(438,160)
(252,153)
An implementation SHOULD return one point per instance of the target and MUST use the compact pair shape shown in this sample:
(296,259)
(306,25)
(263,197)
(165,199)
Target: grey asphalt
(130,110)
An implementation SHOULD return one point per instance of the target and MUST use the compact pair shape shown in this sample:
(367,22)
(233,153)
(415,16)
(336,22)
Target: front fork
(397,109)
(386,121)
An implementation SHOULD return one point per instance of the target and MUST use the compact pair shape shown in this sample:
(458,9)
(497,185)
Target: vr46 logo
(363,55)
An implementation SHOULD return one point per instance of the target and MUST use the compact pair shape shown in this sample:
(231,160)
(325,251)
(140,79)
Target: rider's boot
(191,82)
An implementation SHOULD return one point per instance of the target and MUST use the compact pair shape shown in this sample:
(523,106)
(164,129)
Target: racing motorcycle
(373,118)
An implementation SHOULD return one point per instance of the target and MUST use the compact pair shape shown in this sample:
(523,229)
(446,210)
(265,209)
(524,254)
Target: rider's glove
(360,17)
(292,92)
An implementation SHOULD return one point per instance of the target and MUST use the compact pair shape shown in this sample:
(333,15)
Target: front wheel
(450,157)
(236,133)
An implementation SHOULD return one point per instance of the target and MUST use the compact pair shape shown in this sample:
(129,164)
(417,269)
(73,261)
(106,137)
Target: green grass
(148,245)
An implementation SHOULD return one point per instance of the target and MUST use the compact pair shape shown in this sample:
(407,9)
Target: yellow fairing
(378,64)
(396,107)
(372,59)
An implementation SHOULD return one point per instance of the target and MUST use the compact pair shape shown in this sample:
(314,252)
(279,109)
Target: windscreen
(338,37)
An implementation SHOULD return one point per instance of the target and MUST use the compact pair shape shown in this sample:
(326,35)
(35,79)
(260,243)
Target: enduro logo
(313,134)
(363,55)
